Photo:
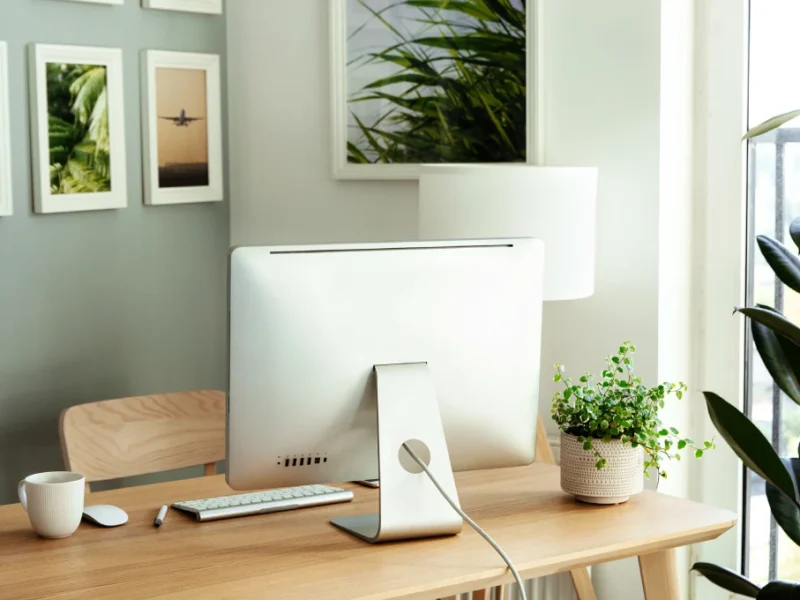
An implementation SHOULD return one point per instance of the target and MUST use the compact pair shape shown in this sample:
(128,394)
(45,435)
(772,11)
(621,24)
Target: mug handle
(23,497)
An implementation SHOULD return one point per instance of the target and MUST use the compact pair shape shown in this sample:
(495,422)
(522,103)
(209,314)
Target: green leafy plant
(458,93)
(79,141)
(620,406)
(777,340)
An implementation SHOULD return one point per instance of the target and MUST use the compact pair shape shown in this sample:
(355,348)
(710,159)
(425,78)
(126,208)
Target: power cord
(472,523)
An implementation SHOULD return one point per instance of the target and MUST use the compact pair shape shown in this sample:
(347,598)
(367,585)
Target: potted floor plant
(777,341)
(611,432)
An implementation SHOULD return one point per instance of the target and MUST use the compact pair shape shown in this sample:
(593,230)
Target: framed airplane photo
(182,116)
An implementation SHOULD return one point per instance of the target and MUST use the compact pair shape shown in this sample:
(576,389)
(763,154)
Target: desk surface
(299,555)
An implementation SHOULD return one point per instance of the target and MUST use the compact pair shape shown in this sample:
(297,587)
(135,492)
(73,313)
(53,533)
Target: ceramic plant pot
(613,484)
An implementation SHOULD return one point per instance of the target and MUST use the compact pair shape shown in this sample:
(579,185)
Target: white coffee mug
(54,502)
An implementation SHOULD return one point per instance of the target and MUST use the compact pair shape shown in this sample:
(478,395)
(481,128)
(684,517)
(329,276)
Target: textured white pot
(618,481)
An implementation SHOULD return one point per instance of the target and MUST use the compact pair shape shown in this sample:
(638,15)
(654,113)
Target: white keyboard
(256,503)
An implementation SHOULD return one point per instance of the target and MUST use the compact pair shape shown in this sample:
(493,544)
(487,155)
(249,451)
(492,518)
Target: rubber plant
(777,341)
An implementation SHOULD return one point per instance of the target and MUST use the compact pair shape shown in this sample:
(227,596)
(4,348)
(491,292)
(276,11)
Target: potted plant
(611,433)
(777,341)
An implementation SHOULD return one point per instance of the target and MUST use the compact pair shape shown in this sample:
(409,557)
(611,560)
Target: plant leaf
(727,579)
(774,320)
(771,124)
(780,590)
(780,356)
(786,512)
(794,232)
(749,444)
(785,264)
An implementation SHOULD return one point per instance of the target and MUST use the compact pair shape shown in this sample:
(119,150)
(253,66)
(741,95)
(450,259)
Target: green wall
(101,304)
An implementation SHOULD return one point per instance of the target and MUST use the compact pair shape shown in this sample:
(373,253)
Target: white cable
(472,523)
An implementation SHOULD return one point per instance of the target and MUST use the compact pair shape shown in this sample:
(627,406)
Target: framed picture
(77,115)
(413,83)
(6,200)
(182,116)
(209,7)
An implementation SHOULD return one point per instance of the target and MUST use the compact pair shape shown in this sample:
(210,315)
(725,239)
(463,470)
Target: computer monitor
(339,354)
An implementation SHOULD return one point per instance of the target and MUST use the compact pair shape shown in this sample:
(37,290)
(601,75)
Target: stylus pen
(162,514)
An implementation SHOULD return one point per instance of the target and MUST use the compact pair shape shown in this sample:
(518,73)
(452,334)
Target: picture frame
(78,140)
(208,7)
(182,128)
(6,198)
(341,65)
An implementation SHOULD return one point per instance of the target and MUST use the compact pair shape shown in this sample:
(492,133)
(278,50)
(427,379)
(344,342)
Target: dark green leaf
(782,261)
(780,356)
(681,444)
(771,124)
(786,512)
(794,232)
(774,320)
(698,453)
(727,580)
(749,444)
(780,590)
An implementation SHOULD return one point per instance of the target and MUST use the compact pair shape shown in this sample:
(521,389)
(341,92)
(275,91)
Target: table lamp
(554,204)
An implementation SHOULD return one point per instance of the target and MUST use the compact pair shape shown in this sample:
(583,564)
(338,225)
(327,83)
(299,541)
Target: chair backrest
(144,434)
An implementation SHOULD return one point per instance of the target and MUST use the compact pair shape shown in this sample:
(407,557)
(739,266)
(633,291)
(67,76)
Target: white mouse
(105,515)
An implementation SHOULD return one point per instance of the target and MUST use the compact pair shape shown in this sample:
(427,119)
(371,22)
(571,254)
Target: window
(773,202)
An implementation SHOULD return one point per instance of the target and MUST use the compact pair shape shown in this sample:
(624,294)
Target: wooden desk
(299,555)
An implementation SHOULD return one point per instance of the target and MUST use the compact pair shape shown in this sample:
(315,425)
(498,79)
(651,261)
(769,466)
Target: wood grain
(481,595)
(144,434)
(660,575)
(582,580)
(298,555)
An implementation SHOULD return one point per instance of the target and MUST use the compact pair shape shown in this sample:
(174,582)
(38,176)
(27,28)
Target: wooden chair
(580,577)
(144,434)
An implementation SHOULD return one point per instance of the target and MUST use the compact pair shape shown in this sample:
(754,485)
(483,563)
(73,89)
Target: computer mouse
(105,515)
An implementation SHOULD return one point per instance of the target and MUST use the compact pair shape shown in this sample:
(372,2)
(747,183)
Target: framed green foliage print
(78,128)
(431,81)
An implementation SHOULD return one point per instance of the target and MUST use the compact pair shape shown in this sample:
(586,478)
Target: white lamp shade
(554,204)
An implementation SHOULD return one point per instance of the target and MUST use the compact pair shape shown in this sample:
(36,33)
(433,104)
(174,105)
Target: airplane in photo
(182,120)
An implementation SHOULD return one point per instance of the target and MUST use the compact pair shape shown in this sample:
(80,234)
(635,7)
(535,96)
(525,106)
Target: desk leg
(660,575)
(583,584)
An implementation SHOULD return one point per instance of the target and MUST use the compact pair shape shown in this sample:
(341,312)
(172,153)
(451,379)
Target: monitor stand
(409,504)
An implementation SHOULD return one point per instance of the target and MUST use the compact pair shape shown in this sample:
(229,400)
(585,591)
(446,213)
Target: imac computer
(341,354)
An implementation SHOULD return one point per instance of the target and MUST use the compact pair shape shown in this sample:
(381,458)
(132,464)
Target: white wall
(602,77)
(280,164)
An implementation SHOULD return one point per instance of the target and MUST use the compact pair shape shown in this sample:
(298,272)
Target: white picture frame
(6,198)
(164,183)
(340,93)
(46,200)
(208,7)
